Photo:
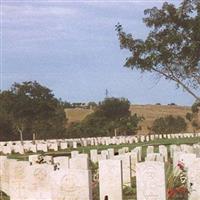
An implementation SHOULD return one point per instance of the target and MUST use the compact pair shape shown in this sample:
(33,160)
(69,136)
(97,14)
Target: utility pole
(106,93)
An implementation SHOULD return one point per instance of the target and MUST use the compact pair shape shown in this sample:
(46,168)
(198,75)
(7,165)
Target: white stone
(74,144)
(18,174)
(53,146)
(4,173)
(126,168)
(186,158)
(139,151)
(93,155)
(6,150)
(154,157)
(150,149)
(104,154)
(38,181)
(74,154)
(110,153)
(150,181)
(71,184)
(62,162)
(110,179)
(163,151)
(42,147)
(194,180)
(63,145)
(79,162)
(134,161)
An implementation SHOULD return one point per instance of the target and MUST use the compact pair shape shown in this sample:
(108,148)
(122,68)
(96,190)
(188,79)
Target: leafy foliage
(31,108)
(172,47)
(168,125)
(110,116)
(194,117)
(177,188)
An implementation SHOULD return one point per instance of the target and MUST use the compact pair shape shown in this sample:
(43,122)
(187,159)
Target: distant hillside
(77,114)
(149,112)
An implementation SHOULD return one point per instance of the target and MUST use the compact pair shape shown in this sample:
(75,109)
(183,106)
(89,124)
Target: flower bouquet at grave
(40,159)
(177,183)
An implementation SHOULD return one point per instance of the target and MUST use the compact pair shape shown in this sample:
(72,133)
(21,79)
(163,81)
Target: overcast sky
(72,48)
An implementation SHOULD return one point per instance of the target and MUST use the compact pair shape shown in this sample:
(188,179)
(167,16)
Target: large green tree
(33,110)
(112,116)
(172,47)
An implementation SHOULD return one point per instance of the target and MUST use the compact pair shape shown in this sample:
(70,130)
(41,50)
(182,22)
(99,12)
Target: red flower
(182,190)
(181,165)
(171,192)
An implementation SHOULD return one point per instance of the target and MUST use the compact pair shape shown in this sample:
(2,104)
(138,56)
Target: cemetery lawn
(87,149)
(129,193)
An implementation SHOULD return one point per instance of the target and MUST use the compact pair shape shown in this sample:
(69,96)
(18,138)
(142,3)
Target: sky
(72,48)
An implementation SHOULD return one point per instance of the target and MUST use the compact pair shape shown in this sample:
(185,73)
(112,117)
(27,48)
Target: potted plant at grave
(177,184)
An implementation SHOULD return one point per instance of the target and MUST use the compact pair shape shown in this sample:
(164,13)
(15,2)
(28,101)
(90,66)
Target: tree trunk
(21,136)
(34,138)
(115,132)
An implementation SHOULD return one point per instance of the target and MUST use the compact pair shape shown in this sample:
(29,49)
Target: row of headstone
(70,179)
(150,175)
(150,180)
(63,144)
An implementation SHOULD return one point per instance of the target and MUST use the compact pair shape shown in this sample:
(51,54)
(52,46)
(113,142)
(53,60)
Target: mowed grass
(149,112)
(87,149)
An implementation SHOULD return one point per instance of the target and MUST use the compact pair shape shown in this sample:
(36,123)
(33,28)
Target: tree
(110,116)
(114,108)
(33,110)
(194,117)
(172,47)
(6,131)
(128,125)
(8,105)
(168,125)
(92,105)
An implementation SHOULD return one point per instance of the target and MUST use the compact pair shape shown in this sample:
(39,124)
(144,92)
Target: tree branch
(174,78)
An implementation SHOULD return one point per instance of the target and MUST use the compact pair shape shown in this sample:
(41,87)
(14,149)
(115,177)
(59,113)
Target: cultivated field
(149,112)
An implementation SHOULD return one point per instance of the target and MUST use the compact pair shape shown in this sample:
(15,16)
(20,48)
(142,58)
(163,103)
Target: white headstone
(126,168)
(110,153)
(93,155)
(150,181)
(71,184)
(62,162)
(79,162)
(194,180)
(110,179)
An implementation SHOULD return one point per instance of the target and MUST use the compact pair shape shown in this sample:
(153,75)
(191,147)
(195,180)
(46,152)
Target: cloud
(24,12)
(43,10)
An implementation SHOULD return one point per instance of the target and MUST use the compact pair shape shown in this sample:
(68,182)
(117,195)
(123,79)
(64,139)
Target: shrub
(168,125)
